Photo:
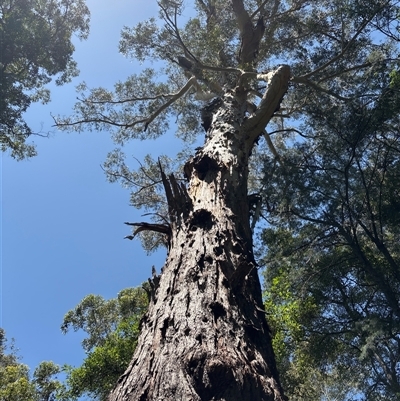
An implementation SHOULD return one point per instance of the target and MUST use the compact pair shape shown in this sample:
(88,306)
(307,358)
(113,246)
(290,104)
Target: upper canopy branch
(251,35)
(101,118)
(242,17)
(261,8)
(129,99)
(191,82)
(302,80)
(172,26)
(343,52)
(318,87)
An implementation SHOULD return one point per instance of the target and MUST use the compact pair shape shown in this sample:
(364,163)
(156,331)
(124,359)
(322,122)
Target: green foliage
(112,327)
(48,387)
(332,247)
(287,313)
(331,48)
(17,385)
(35,45)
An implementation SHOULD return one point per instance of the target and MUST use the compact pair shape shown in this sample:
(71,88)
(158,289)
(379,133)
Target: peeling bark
(205,336)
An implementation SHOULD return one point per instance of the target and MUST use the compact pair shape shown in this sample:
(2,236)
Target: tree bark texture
(205,336)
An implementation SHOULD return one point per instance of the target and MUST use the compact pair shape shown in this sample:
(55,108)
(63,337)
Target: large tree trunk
(205,336)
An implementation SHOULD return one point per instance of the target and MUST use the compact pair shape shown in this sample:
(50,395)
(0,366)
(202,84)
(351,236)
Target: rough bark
(205,336)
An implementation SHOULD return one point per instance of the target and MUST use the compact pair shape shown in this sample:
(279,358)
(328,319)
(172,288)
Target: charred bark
(205,336)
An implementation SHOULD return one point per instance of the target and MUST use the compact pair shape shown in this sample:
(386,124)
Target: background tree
(15,381)
(35,45)
(112,328)
(205,335)
(333,257)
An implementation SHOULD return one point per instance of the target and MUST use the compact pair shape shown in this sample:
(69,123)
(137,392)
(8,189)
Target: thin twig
(305,81)
(341,54)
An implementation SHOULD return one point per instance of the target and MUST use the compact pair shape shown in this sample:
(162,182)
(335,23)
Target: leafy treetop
(336,52)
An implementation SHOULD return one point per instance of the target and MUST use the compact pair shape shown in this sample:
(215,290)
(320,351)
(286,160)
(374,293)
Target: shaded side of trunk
(205,336)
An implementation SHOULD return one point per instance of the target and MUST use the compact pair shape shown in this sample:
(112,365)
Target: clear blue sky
(62,224)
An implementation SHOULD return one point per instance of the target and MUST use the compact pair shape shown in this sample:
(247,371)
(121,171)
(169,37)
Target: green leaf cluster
(112,328)
(16,383)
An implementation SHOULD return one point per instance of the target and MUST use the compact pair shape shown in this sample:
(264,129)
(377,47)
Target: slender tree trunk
(205,336)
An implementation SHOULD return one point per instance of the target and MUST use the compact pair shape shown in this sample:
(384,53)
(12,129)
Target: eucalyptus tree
(333,282)
(229,69)
(16,384)
(112,328)
(35,45)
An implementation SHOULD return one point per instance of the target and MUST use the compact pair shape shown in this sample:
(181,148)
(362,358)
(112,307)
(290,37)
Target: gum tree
(35,45)
(333,278)
(111,330)
(17,384)
(229,68)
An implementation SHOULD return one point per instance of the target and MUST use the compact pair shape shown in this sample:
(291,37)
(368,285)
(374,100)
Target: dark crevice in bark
(201,219)
(218,310)
(208,111)
(206,168)
(153,284)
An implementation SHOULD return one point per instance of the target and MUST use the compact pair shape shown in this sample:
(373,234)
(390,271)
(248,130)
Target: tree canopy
(35,45)
(333,252)
(112,328)
(16,384)
(337,53)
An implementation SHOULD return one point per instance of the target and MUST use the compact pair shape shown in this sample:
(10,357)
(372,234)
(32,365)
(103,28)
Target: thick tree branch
(191,82)
(242,17)
(278,82)
(251,35)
